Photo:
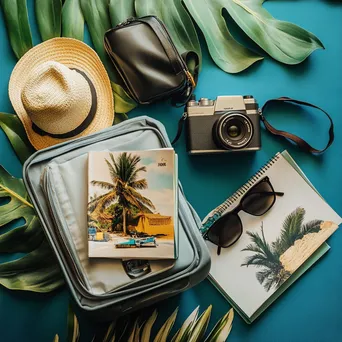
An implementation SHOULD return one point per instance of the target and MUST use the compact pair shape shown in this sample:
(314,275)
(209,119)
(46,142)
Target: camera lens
(233,130)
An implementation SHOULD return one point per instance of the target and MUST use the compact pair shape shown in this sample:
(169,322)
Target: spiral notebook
(275,249)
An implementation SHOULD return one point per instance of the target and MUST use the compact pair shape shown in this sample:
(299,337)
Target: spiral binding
(240,192)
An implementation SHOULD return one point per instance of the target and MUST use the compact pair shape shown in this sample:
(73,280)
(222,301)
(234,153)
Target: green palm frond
(261,244)
(103,185)
(137,330)
(253,248)
(291,230)
(313,226)
(140,198)
(260,261)
(264,274)
(140,184)
(112,171)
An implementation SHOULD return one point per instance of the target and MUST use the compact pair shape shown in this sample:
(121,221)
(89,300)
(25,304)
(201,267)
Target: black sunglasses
(257,201)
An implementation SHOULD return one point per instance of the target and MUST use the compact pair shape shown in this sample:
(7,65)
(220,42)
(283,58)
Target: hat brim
(74,54)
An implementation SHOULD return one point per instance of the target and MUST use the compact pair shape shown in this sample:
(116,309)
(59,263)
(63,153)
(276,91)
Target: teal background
(311,309)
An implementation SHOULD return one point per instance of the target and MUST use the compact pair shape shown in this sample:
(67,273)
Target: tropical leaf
(200,326)
(16,134)
(179,24)
(146,333)
(96,15)
(261,246)
(134,331)
(37,271)
(291,230)
(28,236)
(137,333)
(73,327)
(49,18)
(120,117)
(284,41)
(222,328)
(72,20)
(164,331)
(313,226)
(120,10)
(123,102)
(18,27)
(183,333)
(97,18)
(226,52)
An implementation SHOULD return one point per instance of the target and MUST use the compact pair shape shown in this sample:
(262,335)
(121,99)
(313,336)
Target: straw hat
(60,90)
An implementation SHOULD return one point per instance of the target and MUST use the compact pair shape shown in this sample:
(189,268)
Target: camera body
(227,124)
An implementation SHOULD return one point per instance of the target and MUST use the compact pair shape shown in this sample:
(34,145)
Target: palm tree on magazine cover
(124,186)
(267,256)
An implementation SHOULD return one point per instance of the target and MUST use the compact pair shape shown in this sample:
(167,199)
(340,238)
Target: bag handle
(297,140)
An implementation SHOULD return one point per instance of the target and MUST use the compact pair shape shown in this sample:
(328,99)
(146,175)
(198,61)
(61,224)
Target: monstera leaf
(179,24)
(120,10)
(18,27)
(226,52)
(49,18)
(284,41)
(96,15)
(38,270)
(16,134)
(72,20)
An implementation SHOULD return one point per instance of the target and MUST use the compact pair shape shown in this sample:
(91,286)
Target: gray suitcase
(56,180)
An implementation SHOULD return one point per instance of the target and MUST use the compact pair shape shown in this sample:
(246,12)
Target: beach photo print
(132,204)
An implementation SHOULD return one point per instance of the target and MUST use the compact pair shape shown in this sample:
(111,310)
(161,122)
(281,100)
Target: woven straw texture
(73,54)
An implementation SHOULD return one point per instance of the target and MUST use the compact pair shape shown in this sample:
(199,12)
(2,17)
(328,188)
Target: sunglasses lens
(225,231)
(259,199)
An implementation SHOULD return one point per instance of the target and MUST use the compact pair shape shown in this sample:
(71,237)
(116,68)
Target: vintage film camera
(227,124)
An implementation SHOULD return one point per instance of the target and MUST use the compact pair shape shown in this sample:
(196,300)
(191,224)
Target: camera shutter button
(204,101)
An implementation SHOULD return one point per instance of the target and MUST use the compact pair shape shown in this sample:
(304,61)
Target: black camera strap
(301,143)
(294,138)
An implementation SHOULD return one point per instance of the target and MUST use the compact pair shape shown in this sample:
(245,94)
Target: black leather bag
(143,53)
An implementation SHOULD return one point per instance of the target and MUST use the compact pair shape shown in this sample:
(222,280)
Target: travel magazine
(133,205)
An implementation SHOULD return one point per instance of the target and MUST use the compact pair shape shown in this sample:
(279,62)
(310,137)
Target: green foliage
(267,256)
(49,18)
(121,10)
(72,20)
(38,270)
(293,229)
(222,328)
(226,52)
(193,328)
(18,27)
(96,14)
(15,132)
(122,101)
(284,41)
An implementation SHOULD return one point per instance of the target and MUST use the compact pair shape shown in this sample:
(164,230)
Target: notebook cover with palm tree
(275,249)
(132,204)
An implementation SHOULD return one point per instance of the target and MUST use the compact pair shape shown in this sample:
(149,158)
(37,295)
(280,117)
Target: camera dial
(233,130)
